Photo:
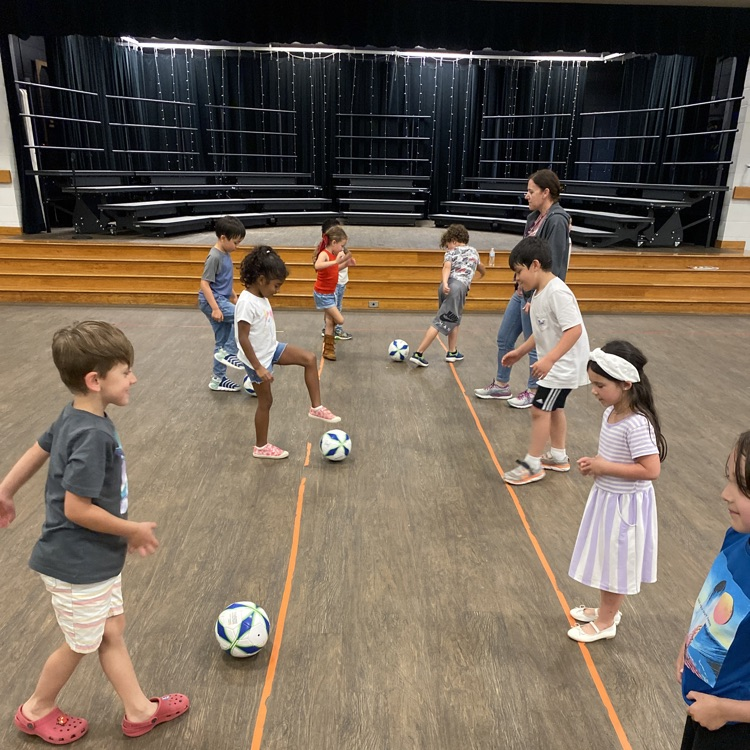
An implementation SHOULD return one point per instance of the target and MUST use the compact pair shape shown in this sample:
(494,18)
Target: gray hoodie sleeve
(555,231)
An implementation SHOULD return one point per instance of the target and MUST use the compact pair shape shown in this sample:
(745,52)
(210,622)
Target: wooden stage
(398,269)
(417,602)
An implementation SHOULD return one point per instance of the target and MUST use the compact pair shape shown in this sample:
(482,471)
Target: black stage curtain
(292,111)
(449,24)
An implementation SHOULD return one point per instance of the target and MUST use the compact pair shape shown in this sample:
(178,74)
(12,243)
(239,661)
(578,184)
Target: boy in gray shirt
(86,534)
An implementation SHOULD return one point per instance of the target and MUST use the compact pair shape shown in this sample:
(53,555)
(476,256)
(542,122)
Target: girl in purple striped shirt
(617,541)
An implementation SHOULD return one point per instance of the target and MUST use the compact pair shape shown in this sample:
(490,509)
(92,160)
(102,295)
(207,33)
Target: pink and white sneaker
(269,451)
(320,412)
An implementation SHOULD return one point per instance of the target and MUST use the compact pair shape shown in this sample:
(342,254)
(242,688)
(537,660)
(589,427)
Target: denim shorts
(324,301)
(276,356)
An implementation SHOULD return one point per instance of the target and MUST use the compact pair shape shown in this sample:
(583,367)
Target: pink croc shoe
(56,727)
(168,707)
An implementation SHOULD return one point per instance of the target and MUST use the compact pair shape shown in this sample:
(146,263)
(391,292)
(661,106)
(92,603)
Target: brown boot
(329,347)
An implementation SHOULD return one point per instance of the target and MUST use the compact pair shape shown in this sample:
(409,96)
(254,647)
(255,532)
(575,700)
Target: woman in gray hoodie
(549,221)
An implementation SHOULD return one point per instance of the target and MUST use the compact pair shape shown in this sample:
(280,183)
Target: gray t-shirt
(86,458)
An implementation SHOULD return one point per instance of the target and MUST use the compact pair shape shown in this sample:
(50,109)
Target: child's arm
(515,354)
(140,535)
(208,293)
(481,270)
(446,272)
(243,339)
(542,366)
(713,713)
(644,468)
(25,468)
(344,257)
(322,261)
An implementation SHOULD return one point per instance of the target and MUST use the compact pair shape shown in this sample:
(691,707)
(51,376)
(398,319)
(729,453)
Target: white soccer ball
(242,629)
(398,350)
(248,386)
(335,445)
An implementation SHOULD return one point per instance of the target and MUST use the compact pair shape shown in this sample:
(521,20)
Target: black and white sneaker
(418,359)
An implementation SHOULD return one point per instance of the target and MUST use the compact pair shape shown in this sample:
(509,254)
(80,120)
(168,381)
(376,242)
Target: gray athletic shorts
(451,306)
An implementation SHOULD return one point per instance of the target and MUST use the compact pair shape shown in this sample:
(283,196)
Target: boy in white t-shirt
(562,346)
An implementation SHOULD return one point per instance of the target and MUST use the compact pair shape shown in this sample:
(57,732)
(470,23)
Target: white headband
(617,367)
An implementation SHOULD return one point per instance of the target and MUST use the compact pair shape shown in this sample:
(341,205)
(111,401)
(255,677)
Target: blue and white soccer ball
(335,445)
(398,351)
(242,629)
(248,386)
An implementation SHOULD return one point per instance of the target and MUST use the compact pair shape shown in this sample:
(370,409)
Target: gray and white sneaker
(523,400)
(493,390)
(550,463)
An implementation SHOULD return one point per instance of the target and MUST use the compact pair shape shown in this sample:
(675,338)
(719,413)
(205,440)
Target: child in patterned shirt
(459,265)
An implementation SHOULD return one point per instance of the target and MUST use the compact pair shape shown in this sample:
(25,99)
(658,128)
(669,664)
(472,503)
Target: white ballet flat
(577,633)
(579,614)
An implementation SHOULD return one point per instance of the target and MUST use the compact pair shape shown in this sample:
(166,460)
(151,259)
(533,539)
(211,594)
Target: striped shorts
(82,610)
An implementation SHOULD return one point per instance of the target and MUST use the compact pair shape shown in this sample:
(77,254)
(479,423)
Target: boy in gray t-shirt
(86,534)
(216,300)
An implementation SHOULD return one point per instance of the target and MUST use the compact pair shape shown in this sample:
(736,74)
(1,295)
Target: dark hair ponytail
(641,394)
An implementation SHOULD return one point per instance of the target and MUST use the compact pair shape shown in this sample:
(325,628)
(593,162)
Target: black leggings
(729,737)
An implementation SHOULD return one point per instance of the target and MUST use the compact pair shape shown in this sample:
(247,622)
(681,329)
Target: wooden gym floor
(416,601)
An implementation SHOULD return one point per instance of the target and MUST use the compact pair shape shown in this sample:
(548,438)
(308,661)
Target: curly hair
(262,261)
(455,233)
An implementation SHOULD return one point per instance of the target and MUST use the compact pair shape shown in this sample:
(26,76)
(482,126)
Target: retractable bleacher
(604,214)
(399,200)
(160,203)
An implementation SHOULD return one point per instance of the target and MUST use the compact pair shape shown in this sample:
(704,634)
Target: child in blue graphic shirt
(86,535)
(216,299)
(713,665)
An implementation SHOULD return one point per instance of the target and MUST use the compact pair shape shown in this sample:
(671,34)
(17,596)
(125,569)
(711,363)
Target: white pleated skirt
(617,542)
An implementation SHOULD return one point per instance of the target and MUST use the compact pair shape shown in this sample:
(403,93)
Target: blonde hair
(89,346)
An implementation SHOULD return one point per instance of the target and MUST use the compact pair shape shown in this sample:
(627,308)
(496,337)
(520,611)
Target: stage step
(130,273)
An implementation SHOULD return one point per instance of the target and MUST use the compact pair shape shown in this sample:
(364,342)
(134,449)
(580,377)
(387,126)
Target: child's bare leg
(116,663)
(262,412)
(540,430)
(453,339)
(295,355)
(429,337)
(333,318)
(57,670)
(558,429)
(609,606)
